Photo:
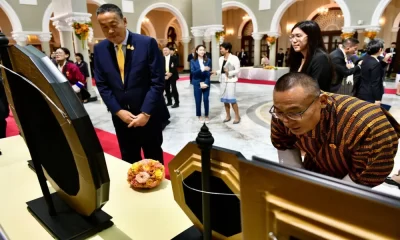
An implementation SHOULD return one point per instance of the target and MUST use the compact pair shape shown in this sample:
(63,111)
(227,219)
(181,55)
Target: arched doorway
(164,7)
(248,42)
(167,33)
(168,19)
(9,20)
(148,28)
(239,22)
(331,25)
(5,25)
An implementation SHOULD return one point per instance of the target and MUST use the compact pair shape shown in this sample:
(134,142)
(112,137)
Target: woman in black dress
(308,54)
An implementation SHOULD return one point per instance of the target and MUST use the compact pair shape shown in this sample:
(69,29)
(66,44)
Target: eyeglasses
(293,116)
(296,36)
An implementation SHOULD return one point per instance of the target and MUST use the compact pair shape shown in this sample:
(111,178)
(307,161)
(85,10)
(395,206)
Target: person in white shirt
(229,66)
(264,60)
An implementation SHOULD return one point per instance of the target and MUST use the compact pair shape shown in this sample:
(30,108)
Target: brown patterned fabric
(353,137)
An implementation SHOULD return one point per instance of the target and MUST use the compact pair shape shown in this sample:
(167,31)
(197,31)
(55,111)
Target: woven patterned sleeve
(281,138)
(374,144)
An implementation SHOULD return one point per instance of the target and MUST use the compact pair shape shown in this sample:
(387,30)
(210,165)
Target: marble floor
(251,136)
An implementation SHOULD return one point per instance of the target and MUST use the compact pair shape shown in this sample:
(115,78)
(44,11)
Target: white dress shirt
(167,58)
(124,43)
(201,63)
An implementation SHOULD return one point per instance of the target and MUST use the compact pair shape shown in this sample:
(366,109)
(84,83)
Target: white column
(20,38)
(186,42)
(207,40)
(65,36)
(272,54)
(198,36)
(272,49)
(45,41)
(215,53)
(210,31)
(257,48)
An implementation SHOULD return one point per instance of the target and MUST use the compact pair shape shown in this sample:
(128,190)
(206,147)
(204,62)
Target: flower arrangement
(269,67)
(271,40)
(369,35)
(82,31)
(218,35)
(146,173)
(346,35)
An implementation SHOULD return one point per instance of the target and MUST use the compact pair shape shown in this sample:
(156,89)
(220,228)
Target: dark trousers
(280,63)
(198,94)
(335,88)
(390,69)
(3,127)
(132,140)
(170,83)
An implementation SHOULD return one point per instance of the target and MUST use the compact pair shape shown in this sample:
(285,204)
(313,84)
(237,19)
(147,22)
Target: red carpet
(108,141)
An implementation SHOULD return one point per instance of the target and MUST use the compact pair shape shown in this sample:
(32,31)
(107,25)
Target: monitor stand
(68,224)
(191,233)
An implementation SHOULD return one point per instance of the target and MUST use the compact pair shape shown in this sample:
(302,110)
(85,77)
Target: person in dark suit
(280,57)
(173,52)
(189,58)
(130,78)
(171,76)
(392,61)
(308,54)
(243,58)
(344,67)
(200,67)
(372,73)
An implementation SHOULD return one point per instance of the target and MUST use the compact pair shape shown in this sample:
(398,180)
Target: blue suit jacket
(196,72)
(143,87)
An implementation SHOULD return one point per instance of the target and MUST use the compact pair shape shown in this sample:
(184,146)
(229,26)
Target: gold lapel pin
(130,47)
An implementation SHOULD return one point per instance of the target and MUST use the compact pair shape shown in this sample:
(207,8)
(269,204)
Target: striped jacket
(353,137)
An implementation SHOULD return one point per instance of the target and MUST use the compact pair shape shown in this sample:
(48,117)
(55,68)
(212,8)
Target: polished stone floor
(251,137)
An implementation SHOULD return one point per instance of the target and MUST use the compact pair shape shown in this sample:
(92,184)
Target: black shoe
(169,104)
(175,105)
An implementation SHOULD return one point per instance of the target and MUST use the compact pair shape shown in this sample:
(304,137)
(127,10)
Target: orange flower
(370,35)
(271,40)
(84,27)
(346,35)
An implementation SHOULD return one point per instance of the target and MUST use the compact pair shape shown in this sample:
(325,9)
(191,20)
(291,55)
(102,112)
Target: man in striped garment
(342,136)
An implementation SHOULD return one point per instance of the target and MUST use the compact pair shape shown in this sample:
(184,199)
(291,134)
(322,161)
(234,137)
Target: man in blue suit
(129,75)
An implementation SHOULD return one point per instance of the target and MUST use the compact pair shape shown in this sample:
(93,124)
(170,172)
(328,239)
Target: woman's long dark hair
(196,56)
(315,43)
